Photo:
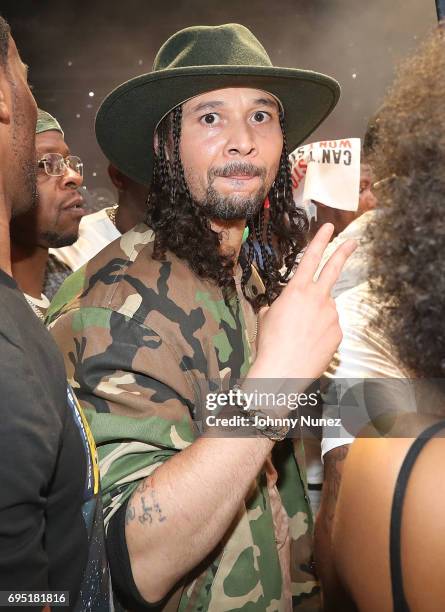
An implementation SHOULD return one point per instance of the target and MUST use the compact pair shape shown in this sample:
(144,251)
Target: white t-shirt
(364,353)
(355,270)
(96,231)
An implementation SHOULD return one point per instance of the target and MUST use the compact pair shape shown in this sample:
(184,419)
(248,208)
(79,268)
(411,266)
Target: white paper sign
(327,172)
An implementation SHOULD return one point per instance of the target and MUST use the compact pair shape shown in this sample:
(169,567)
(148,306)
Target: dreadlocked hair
(171,205)
(280,238)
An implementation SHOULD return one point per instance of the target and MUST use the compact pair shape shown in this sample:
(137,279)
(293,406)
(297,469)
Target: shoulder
(364,350)
(360,537)
(32,367)
(357,301)
(124,279)
(93,283)
(20,329)
(357,309)
(364,512)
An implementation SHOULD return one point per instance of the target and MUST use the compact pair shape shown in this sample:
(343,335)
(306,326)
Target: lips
(239,177)
(76,203)
(238,171)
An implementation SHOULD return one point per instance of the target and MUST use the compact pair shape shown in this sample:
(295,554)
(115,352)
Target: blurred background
(78,51)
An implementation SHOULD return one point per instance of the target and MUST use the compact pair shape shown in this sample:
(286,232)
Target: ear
(5,114)
(117,178)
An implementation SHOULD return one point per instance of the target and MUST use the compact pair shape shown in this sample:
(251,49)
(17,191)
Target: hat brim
(128,117)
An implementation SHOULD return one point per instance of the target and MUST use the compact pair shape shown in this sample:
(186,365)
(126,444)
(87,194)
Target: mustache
(237,169)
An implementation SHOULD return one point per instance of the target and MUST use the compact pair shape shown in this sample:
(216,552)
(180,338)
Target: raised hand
(300,332)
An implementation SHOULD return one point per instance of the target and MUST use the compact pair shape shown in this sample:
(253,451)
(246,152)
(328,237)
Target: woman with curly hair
(389,535)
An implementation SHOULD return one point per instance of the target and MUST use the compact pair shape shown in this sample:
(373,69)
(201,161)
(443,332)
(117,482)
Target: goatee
(234,207)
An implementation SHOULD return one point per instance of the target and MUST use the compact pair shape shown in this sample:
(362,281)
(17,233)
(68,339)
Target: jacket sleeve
(139,400)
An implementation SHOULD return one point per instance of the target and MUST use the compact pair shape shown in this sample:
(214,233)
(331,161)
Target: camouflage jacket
(138,337)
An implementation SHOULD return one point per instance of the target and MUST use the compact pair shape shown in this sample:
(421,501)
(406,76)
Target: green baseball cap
(46,123)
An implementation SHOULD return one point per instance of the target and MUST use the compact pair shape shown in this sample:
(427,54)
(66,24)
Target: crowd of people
(205,277)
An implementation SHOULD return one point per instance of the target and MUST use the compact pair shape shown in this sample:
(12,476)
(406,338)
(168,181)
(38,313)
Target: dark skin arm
(333,468)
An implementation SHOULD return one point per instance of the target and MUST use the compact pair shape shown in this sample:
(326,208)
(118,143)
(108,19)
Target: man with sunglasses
(53,222)
(98,229)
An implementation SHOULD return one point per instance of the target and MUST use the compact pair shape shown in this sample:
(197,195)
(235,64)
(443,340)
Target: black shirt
(51,529)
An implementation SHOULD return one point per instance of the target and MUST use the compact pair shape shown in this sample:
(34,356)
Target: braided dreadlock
(171,205)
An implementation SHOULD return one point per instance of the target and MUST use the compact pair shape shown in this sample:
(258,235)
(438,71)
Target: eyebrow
(266,102)
(50,149)
(206,105)
(212,104)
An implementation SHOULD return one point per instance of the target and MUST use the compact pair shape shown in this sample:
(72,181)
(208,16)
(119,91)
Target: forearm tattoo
(333,473)
(144,505)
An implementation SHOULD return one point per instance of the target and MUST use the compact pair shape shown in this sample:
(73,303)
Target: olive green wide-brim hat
(194,61)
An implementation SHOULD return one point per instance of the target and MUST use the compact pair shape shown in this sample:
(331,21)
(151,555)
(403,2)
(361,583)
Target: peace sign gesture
(300,332)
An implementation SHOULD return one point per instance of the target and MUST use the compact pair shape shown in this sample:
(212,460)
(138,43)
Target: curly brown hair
(408,235)
(171,205)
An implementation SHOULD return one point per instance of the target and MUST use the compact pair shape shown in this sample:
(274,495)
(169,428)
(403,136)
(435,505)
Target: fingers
(312,257)
(331,270)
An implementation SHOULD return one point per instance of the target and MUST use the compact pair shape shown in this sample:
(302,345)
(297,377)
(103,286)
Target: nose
(71,179)
(240,141)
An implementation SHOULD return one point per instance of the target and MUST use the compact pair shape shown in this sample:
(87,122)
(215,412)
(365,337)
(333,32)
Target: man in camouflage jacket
(169,310)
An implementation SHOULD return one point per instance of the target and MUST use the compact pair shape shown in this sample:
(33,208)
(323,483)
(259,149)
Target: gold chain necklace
(252,338)
(111,212)
(255,333)
(35,309)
